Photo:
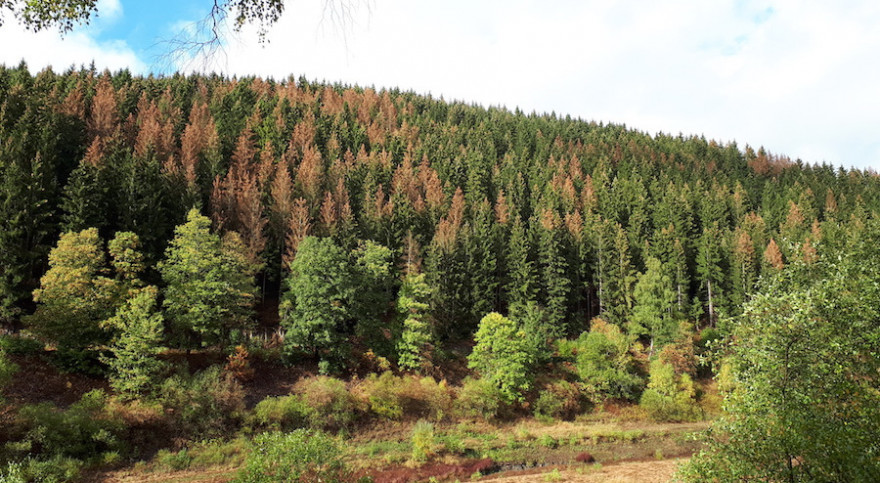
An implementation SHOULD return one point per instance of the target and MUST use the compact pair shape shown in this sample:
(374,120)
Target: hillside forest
(409,257)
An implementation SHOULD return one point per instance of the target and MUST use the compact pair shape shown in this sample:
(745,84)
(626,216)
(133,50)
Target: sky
(799,77)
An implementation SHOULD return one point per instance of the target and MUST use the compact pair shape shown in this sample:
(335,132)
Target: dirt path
(629,472)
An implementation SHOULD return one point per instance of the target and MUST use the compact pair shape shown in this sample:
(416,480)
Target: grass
(391,445)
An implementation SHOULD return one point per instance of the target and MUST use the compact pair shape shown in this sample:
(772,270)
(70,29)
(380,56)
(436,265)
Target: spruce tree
(134,366)
(654,299)
(416,341)
(522,286)
(553,268)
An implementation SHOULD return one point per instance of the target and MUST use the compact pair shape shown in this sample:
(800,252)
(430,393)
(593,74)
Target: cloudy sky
(801,78)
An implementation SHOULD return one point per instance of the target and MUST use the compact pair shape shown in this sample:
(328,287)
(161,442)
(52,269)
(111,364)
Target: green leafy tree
(417,341)
(210,289)
(504,356)
(805,405)
(373,267)
(134,367)
(317,302)
(126,256)
(75,295)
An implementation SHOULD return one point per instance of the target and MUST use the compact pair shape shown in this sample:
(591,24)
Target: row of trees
(496,209)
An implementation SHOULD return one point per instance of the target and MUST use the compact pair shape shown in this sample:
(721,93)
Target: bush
(205,404)
(56,469)
(18,345)
(666,399)
(560,399)
(333,405)
(604,363)
(282,413)
(302,455)
(7,369)
(394,397)
(424,441)
(478,398)
(84,431)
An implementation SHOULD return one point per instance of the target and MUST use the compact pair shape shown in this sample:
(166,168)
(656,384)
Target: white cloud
(109,10)
(48,48)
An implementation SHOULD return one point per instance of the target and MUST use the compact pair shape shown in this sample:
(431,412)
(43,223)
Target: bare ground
(660,471)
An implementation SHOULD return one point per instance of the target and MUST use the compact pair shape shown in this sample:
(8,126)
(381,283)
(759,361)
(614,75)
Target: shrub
(282,413)
(604,363)
(666,399)
(18,345)
(174,460)
(302,455)
(394,397)
(238,364)
(7,369)
(478,398)
(56,469)
(85,430)
(205,404)
(12,473)
(560,399)
(547,441)
(382,393)
(423,441)
(333,405)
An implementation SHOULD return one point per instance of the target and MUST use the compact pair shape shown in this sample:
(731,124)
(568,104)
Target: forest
(175,243)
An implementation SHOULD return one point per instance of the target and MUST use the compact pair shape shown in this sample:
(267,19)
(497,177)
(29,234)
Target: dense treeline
(373,231)
(498,209)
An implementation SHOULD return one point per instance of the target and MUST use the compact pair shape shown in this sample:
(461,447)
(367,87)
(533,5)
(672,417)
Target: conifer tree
(773,256)
(522,280)
(482,261)
(654,299)
(553,267)
(25,226)
(416,343)
(710,270)
(135,367)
